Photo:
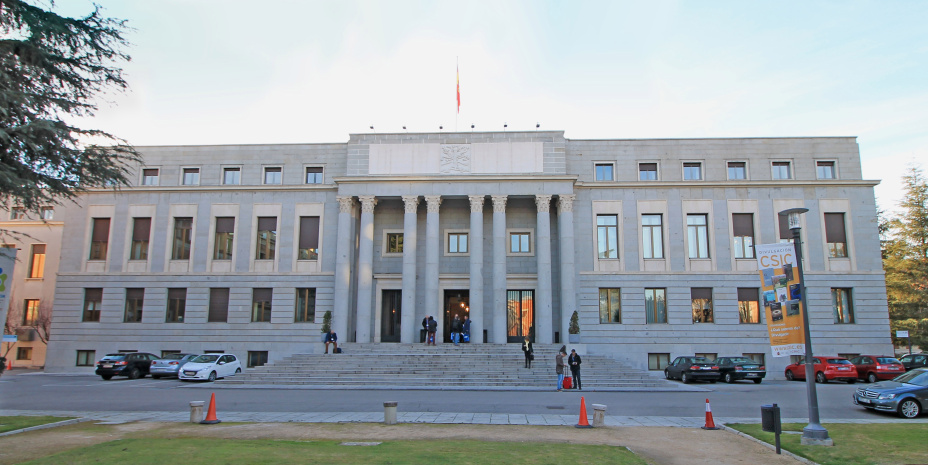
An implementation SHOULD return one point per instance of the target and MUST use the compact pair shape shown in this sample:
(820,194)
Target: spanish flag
(459,87)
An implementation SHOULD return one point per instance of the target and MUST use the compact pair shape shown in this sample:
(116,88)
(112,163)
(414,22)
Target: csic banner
(781,298)
(7,260)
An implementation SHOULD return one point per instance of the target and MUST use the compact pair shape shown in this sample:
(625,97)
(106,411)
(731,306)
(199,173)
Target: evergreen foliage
(327,321)
(574,327)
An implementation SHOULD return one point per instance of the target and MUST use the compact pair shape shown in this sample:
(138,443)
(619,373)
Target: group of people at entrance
(573,362)
(460,329)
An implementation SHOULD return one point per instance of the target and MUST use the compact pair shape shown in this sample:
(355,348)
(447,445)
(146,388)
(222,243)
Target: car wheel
(212,376)
(909,408)
(238,371)
(713,381)
(757,380)
(685,379)
(729,378)
(820,378)
(871,378)
(851,381)
(134,373)
(667,375)
(155,376)
(106,377)
(790,376)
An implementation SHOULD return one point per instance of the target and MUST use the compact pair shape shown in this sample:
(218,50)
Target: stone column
(343,245)
(408,317)
(499,309)
(366,268)
(565,232)
(544,326)
(432,249)
(476,269)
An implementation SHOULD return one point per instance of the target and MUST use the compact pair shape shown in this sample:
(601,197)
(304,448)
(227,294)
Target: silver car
(170,365)
(906,394)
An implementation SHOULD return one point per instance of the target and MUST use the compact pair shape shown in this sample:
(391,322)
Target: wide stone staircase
(467,366)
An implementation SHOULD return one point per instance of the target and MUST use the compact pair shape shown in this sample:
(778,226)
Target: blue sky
(233,71)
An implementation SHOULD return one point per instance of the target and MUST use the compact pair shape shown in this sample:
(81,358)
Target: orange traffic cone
(9,365)
(211,413)
(709,423)
(583,423)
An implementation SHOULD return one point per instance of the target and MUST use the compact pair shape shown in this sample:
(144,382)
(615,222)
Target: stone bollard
(599,415)
(196,411)
(389,413)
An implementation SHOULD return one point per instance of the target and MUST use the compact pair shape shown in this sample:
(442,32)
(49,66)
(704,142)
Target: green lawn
(855,444)
(14,423)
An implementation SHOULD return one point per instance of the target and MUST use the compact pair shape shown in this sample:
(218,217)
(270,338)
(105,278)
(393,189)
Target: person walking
(574,363)
(559,369)
(433,326)
(455,329)
(466,326)
(529,352)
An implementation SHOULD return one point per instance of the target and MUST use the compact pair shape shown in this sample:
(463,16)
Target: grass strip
(20,422)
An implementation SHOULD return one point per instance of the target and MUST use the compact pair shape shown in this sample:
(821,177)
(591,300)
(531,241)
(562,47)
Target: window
(657,362)
(520,242)
(177,304)
(748,305)
(607,236)
(86,358)
(183,227)
(30,312)
(605,172)
(825,169)
(655,305)
(457,243)
(225,237)
(692,171)
(758,357)
(141,232)
(701,299)
(256,358)
(737,170)
(313,175)
(309,238)
(134,300)
(305,311)
(99,238)
(781,170)
(652,236)
(232,176)
(707,355)
(267,238)
(18,213)
(647,171)
(835,235)
(150,177)
(47,213)
(218,305)
(191,176)
(697,230)
(786,234)
(273,175)
(37,264)
(742,225)
(610,306)
(93,300)
(842,306)
(393,243)
(24,353)
(261,304)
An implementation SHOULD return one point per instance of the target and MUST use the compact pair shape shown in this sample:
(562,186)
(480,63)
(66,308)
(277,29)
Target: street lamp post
(814,433)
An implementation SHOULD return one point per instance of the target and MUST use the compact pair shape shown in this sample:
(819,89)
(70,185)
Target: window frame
(134,305)
(742,312)
(691,164)
(612,295)
(92,315)
(845,315)
(182,238)
(47,213)
(648,253)
(320,175)
(774,164)
(17,213)
(232,169)
(701,241)
(176,306)
(37,261)
(744,168)
(138,249)
(519,232)
(742,250)
(99,248)
(697,294)
(267,245)
(457,233)
(304,315)
(311,253)
(192,170)
(149,180)
(661,361)
(23,353)
(836,241)
(603,164)
(607,228)
(657,170)
(261,309)
(87,361)
(832,164)
(272,169)
(260,355)
(223,241)
(657,312)
(31,311)
(218,305)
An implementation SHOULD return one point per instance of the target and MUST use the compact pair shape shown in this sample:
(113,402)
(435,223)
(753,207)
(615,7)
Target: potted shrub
(326,324)
(574,330)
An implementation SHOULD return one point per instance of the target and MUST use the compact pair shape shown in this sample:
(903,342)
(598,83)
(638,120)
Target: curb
(45,426)
(769,446)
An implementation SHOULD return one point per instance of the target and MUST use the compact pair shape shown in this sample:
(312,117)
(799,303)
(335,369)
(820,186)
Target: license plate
(705,368)
(843,369)
(107,366)
(752,375)
(190,373)
(863,401)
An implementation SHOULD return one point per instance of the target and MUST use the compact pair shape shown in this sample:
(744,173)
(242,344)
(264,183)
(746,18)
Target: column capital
(345,203)
(411,202)
(432,203)
(476,203)
(367,203)
(499,203)
(543,202)
(565,202)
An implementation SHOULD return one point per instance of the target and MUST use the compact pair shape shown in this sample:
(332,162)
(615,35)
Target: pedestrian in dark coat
(573,361)
(559,369)
(466,329)
(455,329)
(529,352)
(433,326)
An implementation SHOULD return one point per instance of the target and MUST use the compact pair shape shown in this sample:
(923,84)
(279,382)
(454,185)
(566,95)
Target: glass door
(520,315)
(390,315)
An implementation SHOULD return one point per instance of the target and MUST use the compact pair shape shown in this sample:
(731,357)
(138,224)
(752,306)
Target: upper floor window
(30,312)
(183,229)
(309,238)
(841,305)
(781,170)
(737,170)
(218,305)
(47,213)
(93,300)
(697,231)
(314,175)
(647,171)
(835,235)
(267,238)
(191,176)
(607,239)
(610,305)
(652,236)
(825,169)
(786,234)
(692,171)
(605,172)
(18,213)
(701,299)
(135,298)
(742,225)
(394,243)
(150,177)
(748,305)
(273,175)
(99,238)
(225,236)
(141,232)
(520,242)
(305,311)
(457,242)
(37,264)
(232,176)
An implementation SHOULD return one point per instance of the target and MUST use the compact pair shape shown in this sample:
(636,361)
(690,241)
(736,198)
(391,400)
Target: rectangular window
(781,170)
(835,235)
(47,213)
(647,171)
(261,304)
(134,300)
(692,171)
(37,264)
(256,358)
(605,172)
(191,176)
(218,305)
(183,227)
(610,306)
(24,353)
(657,362)
(150,177)
(786,234)
(305,311)
(758,357)
(394,243)
(313,175)
(742,225)
(232,176)
(141,232)
(708,355)
(30,312)
(93,300)
(842,306)
(273,175)
(825,169)
(701,299)
(697,230)
(652,236)
(737,170)
(267,238)
(655,305)
(18,213)
(309,238)
(607,236)
(165,353)
(177,304)
(748,305)
(520,242)
(225,238)
(457,243)
(86,358)
(100,238)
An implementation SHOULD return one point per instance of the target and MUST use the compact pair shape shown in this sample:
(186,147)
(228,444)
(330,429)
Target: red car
(826,369)
(874,368)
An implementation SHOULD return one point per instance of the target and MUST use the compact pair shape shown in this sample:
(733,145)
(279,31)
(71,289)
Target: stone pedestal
(599,415)
(196,411)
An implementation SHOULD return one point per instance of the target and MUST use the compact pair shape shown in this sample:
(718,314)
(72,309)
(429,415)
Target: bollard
(599,415)
(196,411)
(389,413)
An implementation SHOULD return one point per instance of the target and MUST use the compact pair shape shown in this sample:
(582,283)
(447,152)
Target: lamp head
(793,215)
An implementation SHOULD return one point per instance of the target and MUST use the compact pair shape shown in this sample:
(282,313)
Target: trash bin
(770,418)
(422,334)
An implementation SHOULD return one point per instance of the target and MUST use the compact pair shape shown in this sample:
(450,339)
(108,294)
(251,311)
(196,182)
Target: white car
(209,367)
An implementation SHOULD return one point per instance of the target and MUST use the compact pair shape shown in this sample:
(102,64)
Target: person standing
(331,338)
(455,329)
(466,329)
(559,369)
(425,330)
(529,352)
(574,363)
(433,326)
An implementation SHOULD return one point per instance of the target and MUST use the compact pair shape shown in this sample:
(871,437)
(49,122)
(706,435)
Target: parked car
(132,364)
(874,368)
(906,394)
(912,361)
(689,369)
(210,367)
(732,369)
(826,369)
(170,365)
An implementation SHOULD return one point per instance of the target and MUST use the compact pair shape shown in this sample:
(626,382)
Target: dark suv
(912,361)
(134,365)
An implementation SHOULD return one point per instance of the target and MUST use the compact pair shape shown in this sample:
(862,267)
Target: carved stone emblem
(455,159)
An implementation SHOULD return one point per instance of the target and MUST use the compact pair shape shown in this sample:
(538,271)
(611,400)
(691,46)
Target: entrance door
(390,314)
(520,315)
(456,303)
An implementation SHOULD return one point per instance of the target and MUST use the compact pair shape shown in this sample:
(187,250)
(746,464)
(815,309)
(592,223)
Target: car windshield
(174,356)
(887,360)
(916,377)
(114,357)
(839,361)
(741,360)
(205,359)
